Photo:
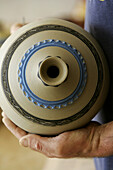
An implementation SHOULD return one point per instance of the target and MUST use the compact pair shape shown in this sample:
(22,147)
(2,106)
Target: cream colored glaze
(65,88)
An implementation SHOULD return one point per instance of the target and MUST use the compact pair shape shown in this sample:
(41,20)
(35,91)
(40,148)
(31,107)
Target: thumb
(45,145)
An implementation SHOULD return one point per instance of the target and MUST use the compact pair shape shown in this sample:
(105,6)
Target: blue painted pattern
(45,103)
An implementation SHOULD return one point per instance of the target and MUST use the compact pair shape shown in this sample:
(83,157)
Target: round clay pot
(53,77)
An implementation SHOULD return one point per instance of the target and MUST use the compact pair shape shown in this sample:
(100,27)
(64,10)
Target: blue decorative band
(52,104)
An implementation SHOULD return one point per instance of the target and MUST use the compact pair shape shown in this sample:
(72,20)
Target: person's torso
(99,22)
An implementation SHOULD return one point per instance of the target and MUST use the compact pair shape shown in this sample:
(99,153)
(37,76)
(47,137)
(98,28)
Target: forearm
(101,141)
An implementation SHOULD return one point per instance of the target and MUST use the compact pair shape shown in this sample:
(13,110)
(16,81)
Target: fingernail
(24,142)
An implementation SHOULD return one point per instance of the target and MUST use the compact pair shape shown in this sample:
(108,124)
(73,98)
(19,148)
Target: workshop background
(12,155)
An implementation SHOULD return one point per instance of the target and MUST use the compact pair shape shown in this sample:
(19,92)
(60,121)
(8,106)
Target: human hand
(93,140)
(15,27)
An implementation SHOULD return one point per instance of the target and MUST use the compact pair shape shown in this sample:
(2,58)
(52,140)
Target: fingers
(15,27)
(4,115)
(49,146)
(16,131)
(66,145)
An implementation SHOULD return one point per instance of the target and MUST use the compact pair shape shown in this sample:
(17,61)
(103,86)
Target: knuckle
(31,142)
(38,146)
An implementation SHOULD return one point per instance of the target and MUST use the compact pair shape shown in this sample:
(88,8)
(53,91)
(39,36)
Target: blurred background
(12,155)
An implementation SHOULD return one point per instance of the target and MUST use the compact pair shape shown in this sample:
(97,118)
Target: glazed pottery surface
(53,77)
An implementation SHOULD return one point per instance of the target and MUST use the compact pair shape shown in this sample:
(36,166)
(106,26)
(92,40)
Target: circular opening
(53,71)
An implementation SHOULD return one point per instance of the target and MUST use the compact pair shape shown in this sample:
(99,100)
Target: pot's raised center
(53,71)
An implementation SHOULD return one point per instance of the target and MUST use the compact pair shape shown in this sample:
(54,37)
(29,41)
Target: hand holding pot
(90,141)
(93,140)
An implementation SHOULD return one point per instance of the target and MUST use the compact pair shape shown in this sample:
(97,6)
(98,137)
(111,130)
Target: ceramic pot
(53,77)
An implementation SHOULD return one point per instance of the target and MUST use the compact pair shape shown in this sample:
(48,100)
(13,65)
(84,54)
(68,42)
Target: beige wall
(14,10)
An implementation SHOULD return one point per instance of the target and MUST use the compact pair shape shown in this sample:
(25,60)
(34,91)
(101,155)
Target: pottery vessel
(53,77)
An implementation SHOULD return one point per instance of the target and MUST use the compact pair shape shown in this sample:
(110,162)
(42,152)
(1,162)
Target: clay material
(53,77)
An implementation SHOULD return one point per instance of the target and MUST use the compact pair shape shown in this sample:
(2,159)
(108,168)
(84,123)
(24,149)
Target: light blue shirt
(99,22)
